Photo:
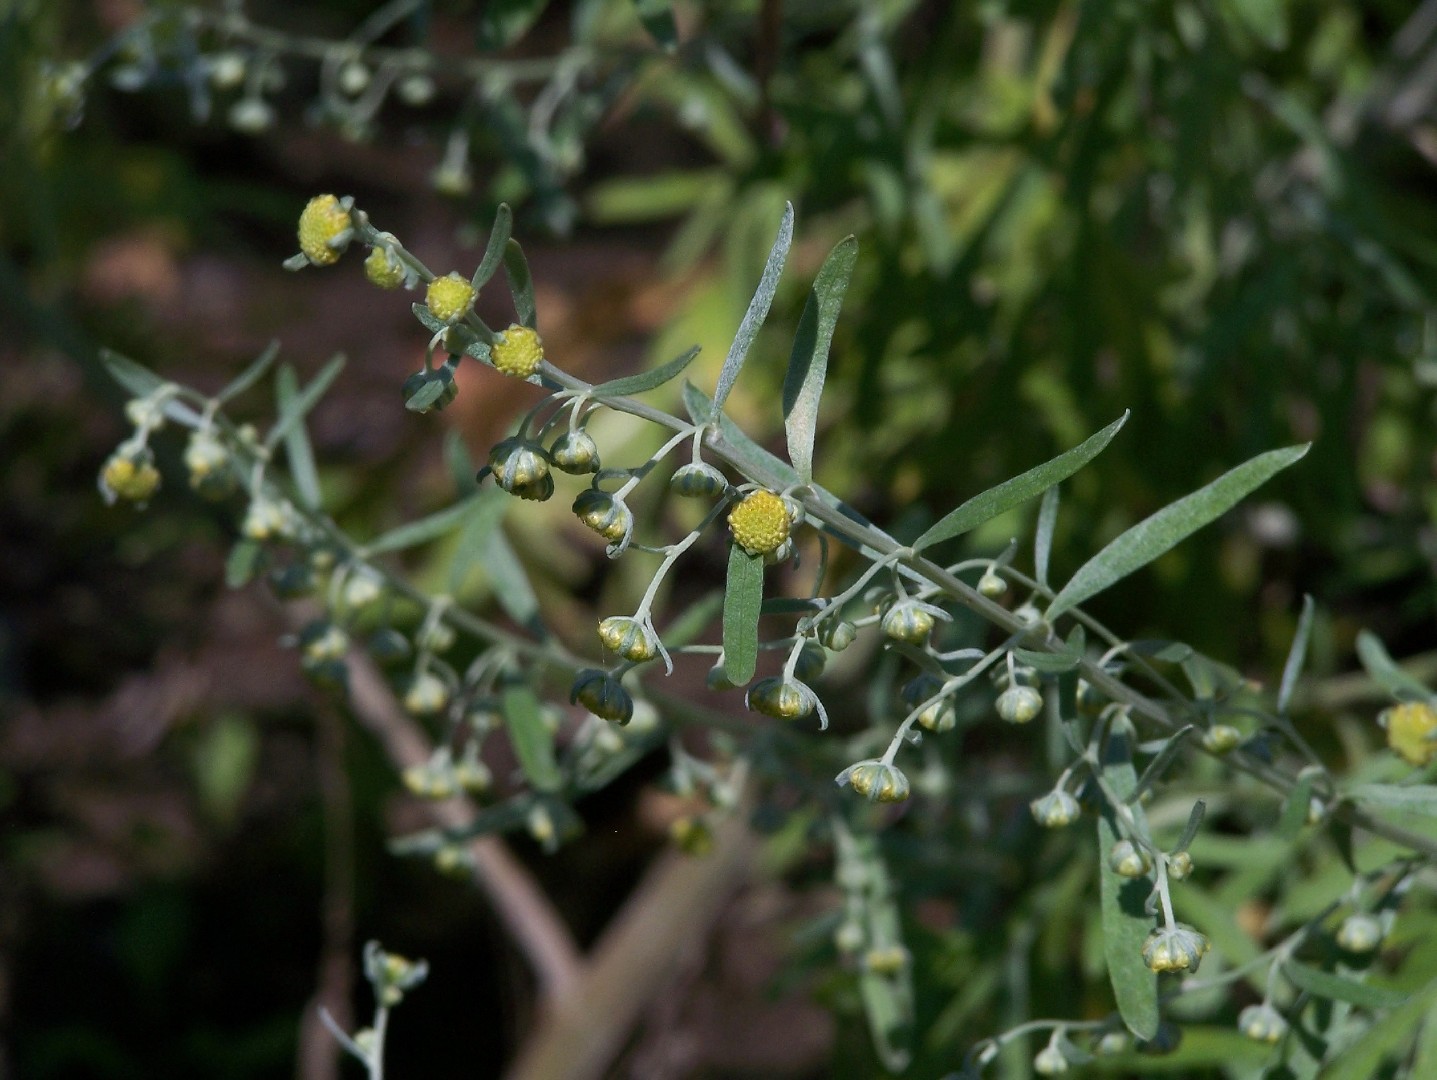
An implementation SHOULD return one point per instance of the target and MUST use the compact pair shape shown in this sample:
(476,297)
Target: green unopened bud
(629,637)
(849,937)
(416,90)
(937,716)
(606,515)
(698,480)
(910,621)
(575,452)
(426,694)
(603,695)
(363,588)
(1055,809)
(208,463)
(1050,1062)
(130,475)
(1221,738)
(1174,948)
(811,662)
(992,585)
(1019,704)
(322,640)
(875,780)
(436,636)
(1180,866)
(1129,860)
(353,78)
(1359,933)
(521,468)
(1262,1023)
(836,634)
(470,772)
(783,699)
(267,519)
(1113,1042)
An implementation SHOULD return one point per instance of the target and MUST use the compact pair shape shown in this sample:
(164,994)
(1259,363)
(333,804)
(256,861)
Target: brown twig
(517,899)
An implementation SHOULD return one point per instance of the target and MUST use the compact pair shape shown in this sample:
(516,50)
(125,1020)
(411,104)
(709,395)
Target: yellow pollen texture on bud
(759,523)
(323,219)
(518,353)
(449,297)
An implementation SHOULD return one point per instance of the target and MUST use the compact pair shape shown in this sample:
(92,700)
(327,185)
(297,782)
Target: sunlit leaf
(743,597)
(808,363)
(494,251)
(1019,489)
(757,310)
(521,283)
(645,380)
(1165,529)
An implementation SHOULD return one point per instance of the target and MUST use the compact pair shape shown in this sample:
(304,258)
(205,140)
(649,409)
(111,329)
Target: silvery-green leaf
(486,512)
(521,283)
(1165,529)
(250,375)
(296,441)
(743,598)
(431,322)
(461,465)
(1362,1060)
(645,380)
(808,363)
(1385,672)
(757,310)
(243,560)
(511,583)
(298,407)
(139,380)
(425,529)
(1190,830)
(1324,984)
(1297,806)
(1296,655)
(533,745)
(1043,537)
(494,251)
(1420,799)
(1126,922)
(1019,489)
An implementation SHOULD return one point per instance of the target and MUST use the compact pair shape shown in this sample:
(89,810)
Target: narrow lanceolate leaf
(1296,656)
(243,561)
(1298,806)
(494,252)
(511,583)
(250,375)
(486,511)
(1324,984)
(645,380)
(1420,799)
(425,529)
(1385,672)
(757,310)
(296,441)
(521,282)
(533,745)
(1164,530)
(1043,538)
(1387,1038)
(305,400)
(1020,489)
(1055,663)
(808,363)
(1158,767)
(137,379)
(1126,923)
(743,598)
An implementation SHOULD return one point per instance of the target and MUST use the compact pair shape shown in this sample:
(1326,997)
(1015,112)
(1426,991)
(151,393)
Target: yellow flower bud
(449,297)
(384,269)
(324,230)
(759,522)
(518,352)
(1412,731)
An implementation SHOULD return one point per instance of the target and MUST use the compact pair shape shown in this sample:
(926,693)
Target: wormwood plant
(1127,732)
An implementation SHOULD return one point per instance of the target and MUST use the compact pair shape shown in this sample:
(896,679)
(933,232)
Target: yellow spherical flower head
(449,297)
(130,476)
(1412,731)
(324,230)
(518,352)
(759,522)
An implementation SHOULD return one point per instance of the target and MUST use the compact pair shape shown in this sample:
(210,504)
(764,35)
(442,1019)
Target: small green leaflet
(296,410)
(1296,656)
(757,310)
(743,598)
(1385,672)
(494,252)
(296,441)
(1043,537)
(645,380)
(1055,663)
(1019,489)
(1165,529)
(1324,984)
(808,363)
(521,283)
(250,375)
(533,745)
(1125,921)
